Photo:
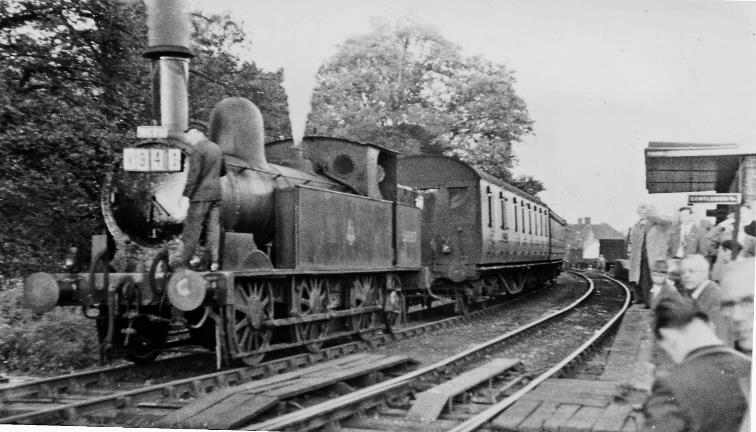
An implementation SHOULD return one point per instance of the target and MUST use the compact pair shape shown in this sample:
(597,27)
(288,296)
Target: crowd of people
(699,280)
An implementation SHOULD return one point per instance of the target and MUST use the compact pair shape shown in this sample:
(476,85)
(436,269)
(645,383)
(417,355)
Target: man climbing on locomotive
(202,195)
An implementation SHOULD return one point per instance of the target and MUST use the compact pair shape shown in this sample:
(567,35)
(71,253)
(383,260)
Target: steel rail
(296,420)
(483,417)
(195,385)
(51,385)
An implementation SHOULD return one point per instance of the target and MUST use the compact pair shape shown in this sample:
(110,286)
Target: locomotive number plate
(151,160)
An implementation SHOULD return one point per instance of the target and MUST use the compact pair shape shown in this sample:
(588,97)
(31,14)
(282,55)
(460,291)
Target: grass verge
(59,341)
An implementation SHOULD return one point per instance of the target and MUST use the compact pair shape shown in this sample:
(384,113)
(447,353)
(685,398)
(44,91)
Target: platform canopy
(686,167)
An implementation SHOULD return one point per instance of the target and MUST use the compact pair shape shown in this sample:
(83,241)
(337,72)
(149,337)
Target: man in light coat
(647,243)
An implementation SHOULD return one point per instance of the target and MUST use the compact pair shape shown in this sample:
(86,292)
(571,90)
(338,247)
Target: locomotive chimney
(169,48)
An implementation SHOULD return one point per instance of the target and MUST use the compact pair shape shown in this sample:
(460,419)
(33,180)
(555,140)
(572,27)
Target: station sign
(152,159)
(152,132)
(715,198)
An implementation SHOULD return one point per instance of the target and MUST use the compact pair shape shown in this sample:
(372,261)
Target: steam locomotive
(323,239)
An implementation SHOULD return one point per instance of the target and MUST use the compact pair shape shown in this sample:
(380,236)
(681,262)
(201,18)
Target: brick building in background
(587,241)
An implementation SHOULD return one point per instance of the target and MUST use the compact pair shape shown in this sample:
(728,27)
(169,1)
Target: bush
(59,341)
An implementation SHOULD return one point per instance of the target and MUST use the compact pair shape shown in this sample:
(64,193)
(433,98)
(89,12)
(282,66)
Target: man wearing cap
(703,392)
(686,238)
(202,194)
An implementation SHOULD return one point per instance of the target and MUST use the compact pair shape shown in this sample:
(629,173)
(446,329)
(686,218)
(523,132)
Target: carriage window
(530,220)
(502,200)
(457,196)
(490,207)
(543,222)
(540,221)
(514,206)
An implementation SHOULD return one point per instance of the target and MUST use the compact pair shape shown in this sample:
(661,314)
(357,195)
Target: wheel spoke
(250,297)
(240,325)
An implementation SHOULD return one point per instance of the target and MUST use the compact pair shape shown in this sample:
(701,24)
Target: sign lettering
(715,198)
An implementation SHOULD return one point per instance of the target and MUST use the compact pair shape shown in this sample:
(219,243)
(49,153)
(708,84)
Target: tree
(529,184)
(70,93)
(218,73)
(409,89)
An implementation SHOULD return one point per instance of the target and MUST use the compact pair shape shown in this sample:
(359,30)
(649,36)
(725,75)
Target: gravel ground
(435,346)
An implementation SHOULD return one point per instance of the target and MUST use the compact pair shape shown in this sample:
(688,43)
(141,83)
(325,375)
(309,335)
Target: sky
(600,79)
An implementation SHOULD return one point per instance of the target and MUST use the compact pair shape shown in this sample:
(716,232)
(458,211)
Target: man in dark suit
(686,237)
(703,392)
(737,301)
(203,193)
(694,276)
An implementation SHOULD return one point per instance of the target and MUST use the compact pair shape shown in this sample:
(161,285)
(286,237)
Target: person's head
(749,248)
(673,271)
(737,300)
(195,132)
(659,272)
(746,214)
(680,326)
(694,270)
(730,245)
(644,209)
(686,215)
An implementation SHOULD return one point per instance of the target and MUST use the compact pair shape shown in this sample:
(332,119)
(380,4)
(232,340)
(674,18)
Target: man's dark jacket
(702,394)
(206,165)
(694,240)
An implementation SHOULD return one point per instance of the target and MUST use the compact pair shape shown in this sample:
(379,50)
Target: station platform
(609,401)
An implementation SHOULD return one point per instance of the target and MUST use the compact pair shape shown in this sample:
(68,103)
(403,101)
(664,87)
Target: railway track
(471,388)
(73,398)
